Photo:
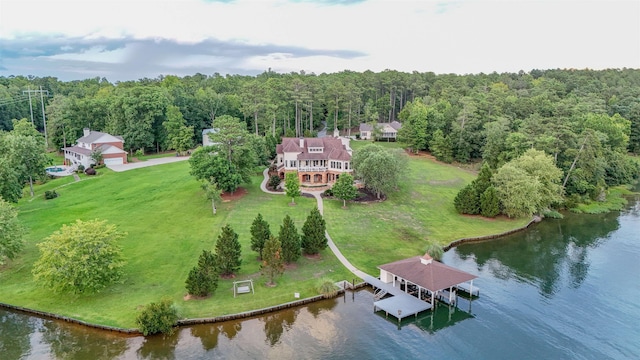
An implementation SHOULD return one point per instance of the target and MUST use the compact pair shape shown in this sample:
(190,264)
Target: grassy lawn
(156,155)
(421,211)
(169,223)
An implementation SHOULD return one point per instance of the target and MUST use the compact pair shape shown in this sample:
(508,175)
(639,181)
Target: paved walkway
(150,162)
(332,245)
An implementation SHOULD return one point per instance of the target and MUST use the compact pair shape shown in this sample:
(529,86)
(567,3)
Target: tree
(380,169)
(272,262)
(231,140)
(96,156)
(441,147)
(289,240)
(542,168)
(260,233)
(344,189)
(413,132)
(11,232)
(157,318)
(519,193)
(83,257)
(208,165)
(489,203)
(179,135)
(466,201)
(213,192)
(292,186)
(228,251)
(313,233)
(203,278)
(274,181)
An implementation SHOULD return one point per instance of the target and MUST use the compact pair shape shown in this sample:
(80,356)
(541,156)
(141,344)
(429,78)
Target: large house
(388,131)
(111,148)
(316,160)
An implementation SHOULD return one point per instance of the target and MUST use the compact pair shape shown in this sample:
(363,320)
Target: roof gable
(431,275)
(99,137)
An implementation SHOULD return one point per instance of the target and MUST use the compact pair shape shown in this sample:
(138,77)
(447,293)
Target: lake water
(564,289)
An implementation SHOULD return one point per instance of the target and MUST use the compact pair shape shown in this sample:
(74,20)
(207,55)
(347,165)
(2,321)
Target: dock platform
(467,288)
(400,305)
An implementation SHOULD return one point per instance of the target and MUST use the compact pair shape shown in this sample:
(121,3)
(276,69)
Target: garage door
(113,161)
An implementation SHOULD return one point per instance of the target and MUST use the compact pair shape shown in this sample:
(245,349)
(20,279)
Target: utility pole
(44,121)
(30,107)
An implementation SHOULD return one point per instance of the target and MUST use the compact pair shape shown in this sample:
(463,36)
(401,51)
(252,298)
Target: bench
(243,289)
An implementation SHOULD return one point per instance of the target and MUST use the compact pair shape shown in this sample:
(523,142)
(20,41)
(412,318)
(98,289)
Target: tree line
(294,104)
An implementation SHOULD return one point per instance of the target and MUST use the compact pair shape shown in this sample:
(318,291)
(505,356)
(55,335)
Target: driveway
(150,162)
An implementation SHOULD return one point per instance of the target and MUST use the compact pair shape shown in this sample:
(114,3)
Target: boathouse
(419,278)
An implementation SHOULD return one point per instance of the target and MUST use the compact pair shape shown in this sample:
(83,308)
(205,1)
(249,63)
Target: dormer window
(315,149)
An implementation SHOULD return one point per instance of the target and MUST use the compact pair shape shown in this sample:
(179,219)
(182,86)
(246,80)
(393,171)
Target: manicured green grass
(421,211)
(169,223)
(156,155)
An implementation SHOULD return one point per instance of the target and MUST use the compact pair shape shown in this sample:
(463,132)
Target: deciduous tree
(292,186)
(344,189)
(83,257)
(11,232)
(212,192)
(380,169)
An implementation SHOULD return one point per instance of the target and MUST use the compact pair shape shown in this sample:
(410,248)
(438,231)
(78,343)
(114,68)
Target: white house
(388,131)
(206,141)
(111,148)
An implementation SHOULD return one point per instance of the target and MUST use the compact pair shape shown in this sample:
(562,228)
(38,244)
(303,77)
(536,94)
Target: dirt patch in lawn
(239,193)
(366,196)
(193,297)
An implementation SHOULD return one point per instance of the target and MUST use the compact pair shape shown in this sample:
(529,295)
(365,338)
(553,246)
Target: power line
(44,121)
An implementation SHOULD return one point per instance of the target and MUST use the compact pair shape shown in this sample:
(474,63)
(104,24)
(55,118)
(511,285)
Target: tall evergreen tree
(260,233)
(290,240)
(203,278)
(313,233)
(228,251)
(273,262)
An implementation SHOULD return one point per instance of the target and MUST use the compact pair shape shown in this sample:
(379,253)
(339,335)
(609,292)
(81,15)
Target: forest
(587,121)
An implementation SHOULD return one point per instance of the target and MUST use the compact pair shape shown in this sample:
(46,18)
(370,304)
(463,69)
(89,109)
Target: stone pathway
(76,177)
(332,245)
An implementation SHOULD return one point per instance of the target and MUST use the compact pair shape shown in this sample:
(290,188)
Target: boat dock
(400,304)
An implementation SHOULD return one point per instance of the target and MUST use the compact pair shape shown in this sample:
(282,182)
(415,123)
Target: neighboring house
(206,141)
(388,131)
(316,160)
(111,148)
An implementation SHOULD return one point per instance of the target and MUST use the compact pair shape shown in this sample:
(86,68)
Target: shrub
(80,168)
(466,202)
(435,251)
(489,203)
(90,171)
(274,181)
(157,317)
(327,288)
(552,214)
(328,192)
(203,278)
(50,194)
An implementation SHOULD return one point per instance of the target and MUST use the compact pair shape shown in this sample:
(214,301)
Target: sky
(133,39)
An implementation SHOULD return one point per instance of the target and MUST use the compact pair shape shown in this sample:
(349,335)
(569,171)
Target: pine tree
(490,203)
(313,237)
(289,240)
(273,262)
(260,233)
(467,202)
(228,251)
(203,278)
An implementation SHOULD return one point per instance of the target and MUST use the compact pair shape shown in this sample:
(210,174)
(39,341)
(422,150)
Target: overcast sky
(132,39)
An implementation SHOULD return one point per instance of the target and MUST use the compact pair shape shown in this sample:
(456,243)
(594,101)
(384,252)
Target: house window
(346,166)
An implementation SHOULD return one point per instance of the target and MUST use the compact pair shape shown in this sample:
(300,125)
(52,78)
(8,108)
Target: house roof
(366,127)
(110,149)
(94,136)
(427,273)
(78,150)
(209,131)
(396,125)
(334,149)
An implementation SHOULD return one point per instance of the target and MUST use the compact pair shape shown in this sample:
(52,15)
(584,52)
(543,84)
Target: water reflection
(15,331)
(276,323)
(70,341)
(540,254)
(159,347)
